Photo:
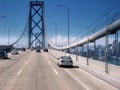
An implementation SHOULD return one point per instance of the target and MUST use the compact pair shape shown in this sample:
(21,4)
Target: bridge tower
(36,24)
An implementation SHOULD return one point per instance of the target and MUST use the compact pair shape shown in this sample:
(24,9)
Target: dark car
(3,55)
(38,50)
(23,49)
(45,50)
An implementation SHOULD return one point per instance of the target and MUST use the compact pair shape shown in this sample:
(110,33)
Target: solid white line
(101,74)
(55,71)
(77,80)
(19,72)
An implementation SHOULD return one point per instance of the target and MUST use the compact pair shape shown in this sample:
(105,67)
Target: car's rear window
(1,53)
(65,57)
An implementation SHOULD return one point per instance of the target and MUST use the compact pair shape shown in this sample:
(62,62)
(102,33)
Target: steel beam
(36,24)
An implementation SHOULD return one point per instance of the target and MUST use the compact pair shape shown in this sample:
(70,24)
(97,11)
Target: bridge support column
(88,52)
(106,53)
(94,49)
(36,24)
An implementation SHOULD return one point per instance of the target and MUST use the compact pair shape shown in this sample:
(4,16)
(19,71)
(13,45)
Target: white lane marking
(26,62)
(19,72)
(45,56)
(55,71)
(2,62)
(49,62)
(72,76)
(77,80)
(53,58)
(98,73)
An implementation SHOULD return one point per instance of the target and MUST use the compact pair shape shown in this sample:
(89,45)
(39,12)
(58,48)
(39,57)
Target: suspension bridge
(93,67)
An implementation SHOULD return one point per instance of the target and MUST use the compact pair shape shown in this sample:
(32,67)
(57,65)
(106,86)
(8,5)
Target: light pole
(68,19)
(9,33)
(55,31)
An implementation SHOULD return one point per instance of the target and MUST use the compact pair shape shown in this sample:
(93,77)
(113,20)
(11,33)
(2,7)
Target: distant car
(45,50)
(14,52)
(23,49)
(3,55)
(38,50)
(65,61)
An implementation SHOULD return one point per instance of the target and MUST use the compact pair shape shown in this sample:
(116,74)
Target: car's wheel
(60,65)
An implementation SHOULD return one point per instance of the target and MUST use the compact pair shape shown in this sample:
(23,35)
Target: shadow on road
(70,66)
(5,59)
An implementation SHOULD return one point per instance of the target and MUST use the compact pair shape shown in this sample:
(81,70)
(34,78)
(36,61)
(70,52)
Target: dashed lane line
(52,66)
(55,71)
(72,76)
(49,62)
(20,71)
(81,83)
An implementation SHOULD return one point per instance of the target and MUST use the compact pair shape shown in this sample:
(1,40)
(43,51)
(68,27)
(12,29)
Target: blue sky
(82,13)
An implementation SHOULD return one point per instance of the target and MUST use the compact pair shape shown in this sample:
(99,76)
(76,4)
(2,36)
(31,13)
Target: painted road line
(52,58)
(81,83)
(26,62)
(98,73)
(49,62)
(55,71)
(45,56)
(19,72)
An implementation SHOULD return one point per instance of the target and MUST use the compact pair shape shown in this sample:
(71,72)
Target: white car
(14,52)
(65,61)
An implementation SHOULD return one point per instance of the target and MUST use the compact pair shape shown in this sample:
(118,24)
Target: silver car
(14,52)
(65,61)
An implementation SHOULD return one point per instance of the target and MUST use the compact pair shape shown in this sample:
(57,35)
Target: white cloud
(62,41)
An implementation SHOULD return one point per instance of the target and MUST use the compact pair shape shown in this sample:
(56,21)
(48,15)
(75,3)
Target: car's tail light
(62,61)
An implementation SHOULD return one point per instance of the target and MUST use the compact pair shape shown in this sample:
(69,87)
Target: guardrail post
(106,53)
(88,52)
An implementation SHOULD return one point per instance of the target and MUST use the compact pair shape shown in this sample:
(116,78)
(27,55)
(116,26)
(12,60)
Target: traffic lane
(39,74)
(9,74)
(63,77)
(84,78)
(8,63)
(27,75)
(13,57)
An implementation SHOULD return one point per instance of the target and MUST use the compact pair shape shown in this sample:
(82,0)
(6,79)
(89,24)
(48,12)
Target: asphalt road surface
(39,71)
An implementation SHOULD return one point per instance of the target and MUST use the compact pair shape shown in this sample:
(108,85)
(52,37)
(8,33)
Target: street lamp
(68,19)
(55,31)
(9,33)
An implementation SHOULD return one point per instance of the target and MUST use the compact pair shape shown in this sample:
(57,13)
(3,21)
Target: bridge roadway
(38,71)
